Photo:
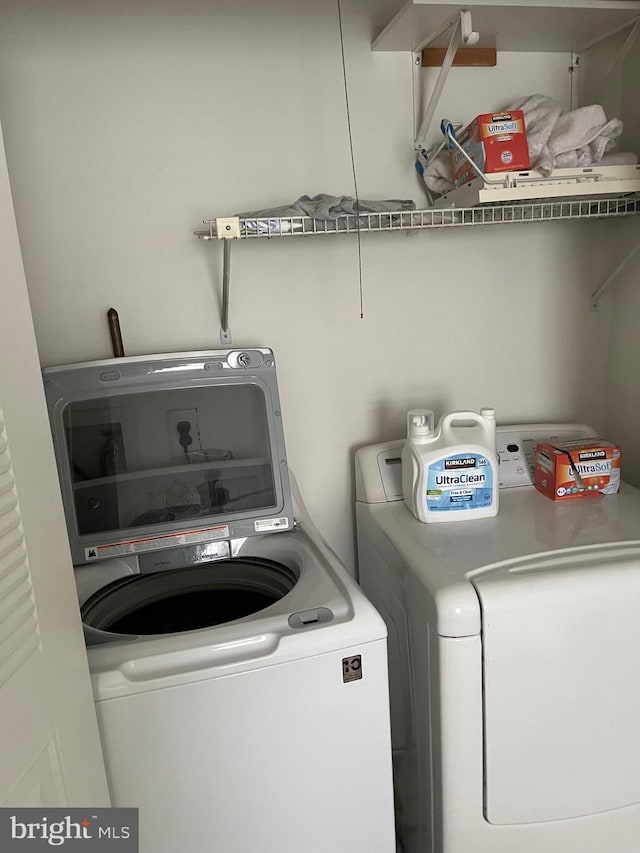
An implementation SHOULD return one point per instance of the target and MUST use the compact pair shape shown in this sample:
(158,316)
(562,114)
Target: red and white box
(577,469)
(496,142)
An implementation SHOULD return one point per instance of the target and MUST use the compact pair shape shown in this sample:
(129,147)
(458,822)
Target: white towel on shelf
(576,139)
(437,173)
(541,114)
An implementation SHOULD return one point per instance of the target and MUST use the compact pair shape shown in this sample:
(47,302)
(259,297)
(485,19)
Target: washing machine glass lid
(186,599)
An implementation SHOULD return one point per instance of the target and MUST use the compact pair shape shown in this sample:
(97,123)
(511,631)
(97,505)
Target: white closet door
(49,739)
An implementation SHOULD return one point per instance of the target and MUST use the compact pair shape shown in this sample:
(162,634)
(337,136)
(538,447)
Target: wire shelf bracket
(463,33)
(227,228)
(599,292)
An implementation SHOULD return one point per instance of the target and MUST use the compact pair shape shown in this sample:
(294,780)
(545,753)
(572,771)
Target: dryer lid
(561,647)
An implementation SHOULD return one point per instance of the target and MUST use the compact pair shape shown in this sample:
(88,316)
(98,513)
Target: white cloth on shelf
(576,139)
(579,138)
(437,174)
(541,114)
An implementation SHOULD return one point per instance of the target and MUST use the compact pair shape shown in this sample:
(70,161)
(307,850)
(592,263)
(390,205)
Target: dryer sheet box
(578,468)
(496,142)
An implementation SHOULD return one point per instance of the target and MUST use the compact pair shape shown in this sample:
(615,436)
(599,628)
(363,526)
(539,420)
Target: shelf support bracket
(622,53)
(462,34)
(227,229)
(600,291)
(225,331)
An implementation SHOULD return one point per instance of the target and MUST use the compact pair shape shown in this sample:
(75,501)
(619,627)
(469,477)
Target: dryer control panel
(379,468)
(516,447)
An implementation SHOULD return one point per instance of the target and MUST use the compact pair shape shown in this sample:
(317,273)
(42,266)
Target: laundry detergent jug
(451,473)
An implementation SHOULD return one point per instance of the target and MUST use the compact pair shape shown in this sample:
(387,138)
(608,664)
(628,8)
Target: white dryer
(514,655)
(239,673)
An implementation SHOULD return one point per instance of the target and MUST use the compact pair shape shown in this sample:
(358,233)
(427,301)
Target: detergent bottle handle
(449,422)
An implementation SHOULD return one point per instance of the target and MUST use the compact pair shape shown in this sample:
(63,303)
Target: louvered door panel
(49,741)
(19,637)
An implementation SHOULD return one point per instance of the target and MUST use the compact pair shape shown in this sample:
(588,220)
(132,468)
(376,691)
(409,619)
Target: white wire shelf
(229,228)
(415,220)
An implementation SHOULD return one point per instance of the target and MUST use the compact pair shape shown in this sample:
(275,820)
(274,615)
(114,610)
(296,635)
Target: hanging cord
(353,162)
(416,65)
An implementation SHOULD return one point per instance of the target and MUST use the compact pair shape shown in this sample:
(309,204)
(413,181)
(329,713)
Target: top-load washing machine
(514,658)
(239,674)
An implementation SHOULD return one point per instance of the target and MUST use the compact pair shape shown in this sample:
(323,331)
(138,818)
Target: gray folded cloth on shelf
(325,206)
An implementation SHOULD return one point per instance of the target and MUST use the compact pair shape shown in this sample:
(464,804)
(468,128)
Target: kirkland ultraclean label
(463,481)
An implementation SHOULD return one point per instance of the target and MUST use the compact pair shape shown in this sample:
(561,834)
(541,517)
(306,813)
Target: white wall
(128,123)
(623,387)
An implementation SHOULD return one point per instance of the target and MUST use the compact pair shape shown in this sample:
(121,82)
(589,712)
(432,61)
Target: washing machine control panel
(379,469)
(516,447)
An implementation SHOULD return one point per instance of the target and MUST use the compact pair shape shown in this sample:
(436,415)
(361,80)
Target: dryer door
(561,644)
